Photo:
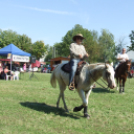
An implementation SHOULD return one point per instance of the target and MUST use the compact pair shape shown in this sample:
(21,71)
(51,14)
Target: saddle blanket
(66,67)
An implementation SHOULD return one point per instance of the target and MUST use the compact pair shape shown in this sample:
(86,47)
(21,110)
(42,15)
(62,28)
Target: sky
(49,20)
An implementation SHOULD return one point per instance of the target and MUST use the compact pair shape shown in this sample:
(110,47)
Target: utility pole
(54,52)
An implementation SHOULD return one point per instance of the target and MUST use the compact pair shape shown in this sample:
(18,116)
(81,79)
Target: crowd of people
(6,68)
(45,69)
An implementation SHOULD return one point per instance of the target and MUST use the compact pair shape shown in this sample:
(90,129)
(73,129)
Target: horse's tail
(53,79)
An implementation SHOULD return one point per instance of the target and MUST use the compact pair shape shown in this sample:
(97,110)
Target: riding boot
(72,85)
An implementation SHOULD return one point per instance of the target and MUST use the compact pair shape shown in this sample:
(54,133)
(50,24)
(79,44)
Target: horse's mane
(94,65)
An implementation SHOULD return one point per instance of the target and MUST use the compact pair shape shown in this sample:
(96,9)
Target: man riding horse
(122,57)
(77,53)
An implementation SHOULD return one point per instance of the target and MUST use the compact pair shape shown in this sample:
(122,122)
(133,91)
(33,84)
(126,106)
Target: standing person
(121,57)
(1,67)
(77,53)
(24,67)
(8,72)
(5,63)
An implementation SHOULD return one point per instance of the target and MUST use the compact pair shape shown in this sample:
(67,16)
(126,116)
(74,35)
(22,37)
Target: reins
(103,81)
(98,82)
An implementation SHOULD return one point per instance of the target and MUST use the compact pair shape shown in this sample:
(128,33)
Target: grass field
(29,107)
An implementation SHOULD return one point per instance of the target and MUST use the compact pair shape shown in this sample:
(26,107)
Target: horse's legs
(62,89)
(117,83)
(124,80)
(82,95)
(120,85)
(85,108)
(87,95)
(63,99)
(58,100)
(84,105)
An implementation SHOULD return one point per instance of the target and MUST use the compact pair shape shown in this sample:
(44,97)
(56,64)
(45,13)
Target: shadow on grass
(42,107)
(101,90)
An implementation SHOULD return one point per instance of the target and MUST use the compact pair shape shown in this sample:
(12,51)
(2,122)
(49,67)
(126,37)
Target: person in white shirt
(122,57)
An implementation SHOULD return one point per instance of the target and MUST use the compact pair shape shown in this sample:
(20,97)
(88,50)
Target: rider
(122,57)
(77,53)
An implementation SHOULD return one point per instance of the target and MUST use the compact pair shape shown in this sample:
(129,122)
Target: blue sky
(49,20)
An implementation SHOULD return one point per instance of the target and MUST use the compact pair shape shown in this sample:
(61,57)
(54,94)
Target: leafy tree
(38,49)
(49,53)
(95,35)
(120,45)
(90,43)
(7,37)
(131,36)
(23,42)
(107,46)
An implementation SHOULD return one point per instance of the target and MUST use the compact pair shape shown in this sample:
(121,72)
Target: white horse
(89,74)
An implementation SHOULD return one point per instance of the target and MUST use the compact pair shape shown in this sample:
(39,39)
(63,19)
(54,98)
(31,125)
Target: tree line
(101,48)
(23,42)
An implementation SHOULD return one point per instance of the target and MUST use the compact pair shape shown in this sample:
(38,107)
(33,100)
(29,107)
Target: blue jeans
(73,65)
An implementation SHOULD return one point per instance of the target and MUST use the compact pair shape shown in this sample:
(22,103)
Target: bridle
(103,81)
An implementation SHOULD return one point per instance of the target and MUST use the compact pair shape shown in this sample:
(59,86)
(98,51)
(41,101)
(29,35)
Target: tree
(38,49)
(7,37)
(131,36)
(120,45)
(107,46)
(90,43)
(49,53)
(23,42)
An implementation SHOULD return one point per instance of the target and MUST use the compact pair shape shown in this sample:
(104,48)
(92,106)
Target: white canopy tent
(131,55)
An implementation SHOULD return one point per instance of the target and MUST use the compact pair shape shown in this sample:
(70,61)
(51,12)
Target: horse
(121,74)
(88,75)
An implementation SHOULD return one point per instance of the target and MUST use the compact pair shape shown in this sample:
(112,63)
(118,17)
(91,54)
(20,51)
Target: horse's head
(127,66)
(108,75)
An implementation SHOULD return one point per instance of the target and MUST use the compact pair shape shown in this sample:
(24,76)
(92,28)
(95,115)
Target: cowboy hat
(78,35)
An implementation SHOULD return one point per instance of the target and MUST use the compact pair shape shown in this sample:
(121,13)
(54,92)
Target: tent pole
(11,63)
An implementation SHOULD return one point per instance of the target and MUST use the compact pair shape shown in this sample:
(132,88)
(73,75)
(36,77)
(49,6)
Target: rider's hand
(80,56)
(87,55)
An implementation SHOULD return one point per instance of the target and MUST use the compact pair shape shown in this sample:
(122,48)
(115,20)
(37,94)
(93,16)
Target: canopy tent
(11,48)
(131,55)
(16,54)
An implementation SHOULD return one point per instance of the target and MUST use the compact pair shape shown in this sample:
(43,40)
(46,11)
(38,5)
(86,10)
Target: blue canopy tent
(13,50)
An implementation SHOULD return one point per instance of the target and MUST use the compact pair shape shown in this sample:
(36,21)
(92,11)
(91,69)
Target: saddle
(66,67)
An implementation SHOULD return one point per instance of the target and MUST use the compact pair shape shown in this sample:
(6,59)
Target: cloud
(49,10)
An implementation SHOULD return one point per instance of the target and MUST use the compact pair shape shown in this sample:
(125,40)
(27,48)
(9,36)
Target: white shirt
(124,56)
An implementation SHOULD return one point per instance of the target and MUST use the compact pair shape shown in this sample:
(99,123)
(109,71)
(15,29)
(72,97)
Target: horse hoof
(75,109)
(86,115)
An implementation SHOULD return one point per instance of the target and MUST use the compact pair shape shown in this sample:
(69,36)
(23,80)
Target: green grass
(29,107)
